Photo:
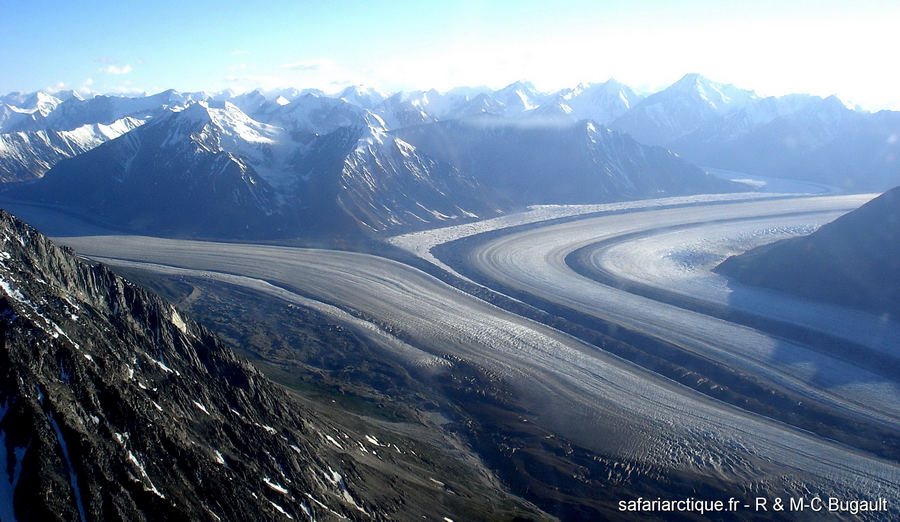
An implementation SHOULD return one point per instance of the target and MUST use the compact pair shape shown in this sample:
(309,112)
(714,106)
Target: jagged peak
(361,90)
(693,81)
(520,88)
(519,84)
(196,111)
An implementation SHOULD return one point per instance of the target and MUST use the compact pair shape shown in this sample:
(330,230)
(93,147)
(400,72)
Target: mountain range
(293,162)
(560,163)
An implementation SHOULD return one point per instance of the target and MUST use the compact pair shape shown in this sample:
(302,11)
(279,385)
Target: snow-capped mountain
(540,162)
(802,137)
(519,97)
(480,104)
(404,109)
(747,119)
(279,138)
(364,176)
(361,96)
(76,112)
(254,103)
(42,130)
(680,109)
(188,172)
(384,174)
(29,155)
(601,102)
(211,170)
(17,108)
(312,115)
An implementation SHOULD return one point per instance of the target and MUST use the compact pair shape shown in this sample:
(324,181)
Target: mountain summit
(680,109)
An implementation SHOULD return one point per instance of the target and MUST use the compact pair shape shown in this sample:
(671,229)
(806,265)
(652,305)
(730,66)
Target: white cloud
(112,69)
(127,90)
(309,65)
(85,89)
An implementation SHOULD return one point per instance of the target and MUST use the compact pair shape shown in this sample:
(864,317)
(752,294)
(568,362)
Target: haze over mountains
(287,163)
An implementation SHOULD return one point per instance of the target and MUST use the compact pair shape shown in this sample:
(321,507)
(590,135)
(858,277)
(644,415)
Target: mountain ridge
(269,147)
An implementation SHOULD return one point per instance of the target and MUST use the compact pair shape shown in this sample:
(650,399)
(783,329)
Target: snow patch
(73,478)
(330,439)
(163,366)
(269,429)
(8,487)
(281,510)
(337,480)
(140,467)
(202,407)
(275,486)
(179,322)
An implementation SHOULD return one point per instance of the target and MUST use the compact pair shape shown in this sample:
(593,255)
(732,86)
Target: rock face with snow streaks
(381,182)
(173,176)
(681,108)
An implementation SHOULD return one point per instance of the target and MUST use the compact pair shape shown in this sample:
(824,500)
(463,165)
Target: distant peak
(198,111)
(691,80)
(519,85)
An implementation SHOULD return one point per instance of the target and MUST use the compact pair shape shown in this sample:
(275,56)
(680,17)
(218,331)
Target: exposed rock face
(379,182)
(113,406)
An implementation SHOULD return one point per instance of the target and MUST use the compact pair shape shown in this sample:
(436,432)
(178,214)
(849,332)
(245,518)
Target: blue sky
(774,47)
